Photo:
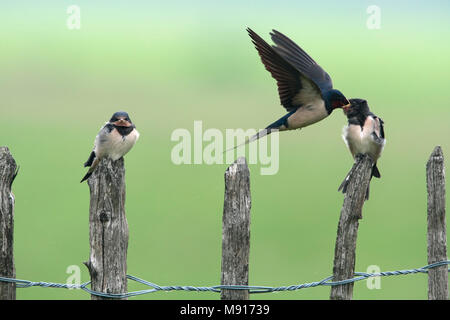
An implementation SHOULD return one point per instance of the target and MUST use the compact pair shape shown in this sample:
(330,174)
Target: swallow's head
(121,119)
(356,107)
(336,99)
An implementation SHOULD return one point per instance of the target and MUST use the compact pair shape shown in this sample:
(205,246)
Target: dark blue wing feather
(299,78)
(301,61)
(288,78)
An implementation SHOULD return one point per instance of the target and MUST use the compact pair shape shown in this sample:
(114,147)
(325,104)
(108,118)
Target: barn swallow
(305,89)
(114,140)
(364,134)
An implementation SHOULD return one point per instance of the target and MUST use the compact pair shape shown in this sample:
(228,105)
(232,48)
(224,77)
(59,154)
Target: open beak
(346,107)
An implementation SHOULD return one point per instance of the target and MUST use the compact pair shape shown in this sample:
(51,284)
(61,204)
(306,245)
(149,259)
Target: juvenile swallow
(114,140)
(364,134)
(305,89)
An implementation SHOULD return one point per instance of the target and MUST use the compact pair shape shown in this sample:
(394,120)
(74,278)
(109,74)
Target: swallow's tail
(344,185)
(260,134)
(86,176)
(94,164)
(279,125)
(89,161)
(375,172)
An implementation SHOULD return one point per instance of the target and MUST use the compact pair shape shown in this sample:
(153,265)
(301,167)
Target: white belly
(116,146)
(308,114)
(362,141)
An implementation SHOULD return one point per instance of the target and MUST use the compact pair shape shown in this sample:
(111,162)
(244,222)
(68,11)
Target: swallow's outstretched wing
(301,61)
(299,78)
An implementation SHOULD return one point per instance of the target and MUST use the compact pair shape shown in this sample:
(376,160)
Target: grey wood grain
(351,212)
(236,230)
(437,234)
(108,234)
(8,171)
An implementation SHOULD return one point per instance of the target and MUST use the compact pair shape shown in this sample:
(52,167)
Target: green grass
(59,87)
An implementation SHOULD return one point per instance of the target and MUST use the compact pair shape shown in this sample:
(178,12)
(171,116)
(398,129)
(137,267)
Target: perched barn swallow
(364,134)
(114,140)
(305,89)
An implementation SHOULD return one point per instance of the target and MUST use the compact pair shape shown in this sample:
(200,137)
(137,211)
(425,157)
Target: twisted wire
(358,276)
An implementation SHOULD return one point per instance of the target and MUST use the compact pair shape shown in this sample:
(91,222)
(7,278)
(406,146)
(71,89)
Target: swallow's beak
(122,123)
(346,107)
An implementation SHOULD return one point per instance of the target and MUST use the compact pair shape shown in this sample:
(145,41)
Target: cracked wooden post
(236,230)
(8,171)
(437,238)
(351,212)
(108,234)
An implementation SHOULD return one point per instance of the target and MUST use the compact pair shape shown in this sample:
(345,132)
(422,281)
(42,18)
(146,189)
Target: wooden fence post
(108,234)
(351,212)
(236,230)
(437,238)
(8,171)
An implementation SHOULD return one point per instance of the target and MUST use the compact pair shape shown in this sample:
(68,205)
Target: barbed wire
(252,289)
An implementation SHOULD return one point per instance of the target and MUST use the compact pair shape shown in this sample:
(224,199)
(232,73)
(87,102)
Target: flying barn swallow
(364,134)
(305,89)
(114,140)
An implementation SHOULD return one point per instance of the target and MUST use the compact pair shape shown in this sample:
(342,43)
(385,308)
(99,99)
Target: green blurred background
(169,64)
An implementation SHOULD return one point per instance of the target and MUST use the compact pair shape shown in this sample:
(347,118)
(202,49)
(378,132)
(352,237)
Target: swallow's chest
(118,145)
(308,114)
(360,139)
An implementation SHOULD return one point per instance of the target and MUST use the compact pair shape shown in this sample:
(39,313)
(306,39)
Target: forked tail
(344,185)
(93,165)
(260,134)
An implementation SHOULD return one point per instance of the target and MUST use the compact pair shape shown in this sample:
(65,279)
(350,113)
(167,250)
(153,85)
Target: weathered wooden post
(108,234)
(8,171)
(437,237)
(351,212)
(236,230)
